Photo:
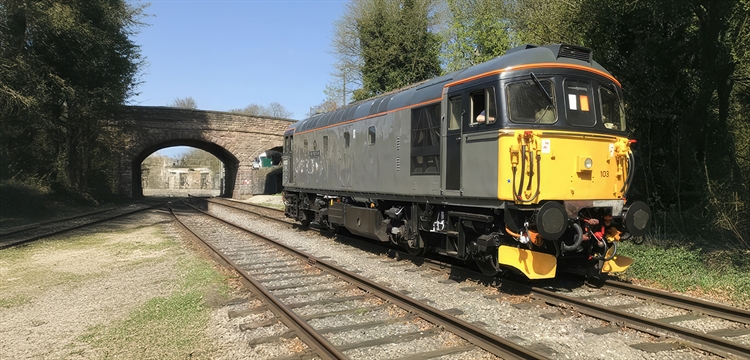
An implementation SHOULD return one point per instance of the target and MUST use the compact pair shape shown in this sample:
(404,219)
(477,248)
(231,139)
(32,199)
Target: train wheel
(307,217)
(487,263)
(412,251)
(333,229)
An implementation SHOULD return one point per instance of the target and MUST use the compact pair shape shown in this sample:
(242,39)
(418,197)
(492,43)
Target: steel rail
(317,342)
(221,202)
(13,243)
(21,228)
(484,339)
(694,339)
(696,305)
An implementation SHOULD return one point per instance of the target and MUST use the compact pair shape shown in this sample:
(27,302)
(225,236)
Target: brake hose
(523,172)
(576,240)
(517,194)
(531,169)
(631,172)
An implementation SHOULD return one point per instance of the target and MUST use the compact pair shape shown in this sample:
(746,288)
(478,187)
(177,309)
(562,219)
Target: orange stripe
(535,66)
(489,73)
(372,116)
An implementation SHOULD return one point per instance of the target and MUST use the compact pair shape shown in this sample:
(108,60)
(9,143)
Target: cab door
(287,164)
(479,147)
(453,134)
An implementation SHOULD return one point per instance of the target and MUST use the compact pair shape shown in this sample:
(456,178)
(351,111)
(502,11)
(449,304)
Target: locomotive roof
(431,90)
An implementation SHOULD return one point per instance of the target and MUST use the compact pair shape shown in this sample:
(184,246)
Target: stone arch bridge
(234,139)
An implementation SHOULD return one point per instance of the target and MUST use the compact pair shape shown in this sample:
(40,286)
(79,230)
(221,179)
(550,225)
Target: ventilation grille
(398,143)
(575,52)
(398,164)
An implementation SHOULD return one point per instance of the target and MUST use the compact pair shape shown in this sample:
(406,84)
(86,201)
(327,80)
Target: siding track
(31,232)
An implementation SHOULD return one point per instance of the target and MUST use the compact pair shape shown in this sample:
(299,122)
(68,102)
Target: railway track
(734,322)
(300,290)
(666,326)
(31,232)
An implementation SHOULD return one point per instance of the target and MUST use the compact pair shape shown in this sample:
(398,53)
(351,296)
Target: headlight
(588,163)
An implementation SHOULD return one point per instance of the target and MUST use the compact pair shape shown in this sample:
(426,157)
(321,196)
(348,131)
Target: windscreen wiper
(538,83)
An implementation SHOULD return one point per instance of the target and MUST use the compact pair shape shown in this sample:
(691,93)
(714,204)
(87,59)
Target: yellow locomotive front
(564,169)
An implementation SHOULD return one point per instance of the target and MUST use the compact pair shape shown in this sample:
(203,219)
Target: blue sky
(229,54)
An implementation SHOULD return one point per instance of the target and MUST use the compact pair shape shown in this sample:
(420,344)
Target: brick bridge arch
(234,139)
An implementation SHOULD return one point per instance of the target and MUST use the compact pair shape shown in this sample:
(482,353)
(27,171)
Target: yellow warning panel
(617,264)
(534,265)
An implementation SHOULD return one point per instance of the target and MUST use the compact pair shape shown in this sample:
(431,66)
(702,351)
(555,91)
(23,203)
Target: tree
(346,49)
(544,22)
(340,90)
(200,158)
(272,110)
(64,67)
(279,111)
(324,107)
(681,64)
(185,103)
(477,31)
(388,42)
(396,46)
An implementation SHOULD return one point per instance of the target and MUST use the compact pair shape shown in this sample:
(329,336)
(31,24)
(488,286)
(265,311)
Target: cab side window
(483,107)
(425,140)
(613,117)
(371,135)
(454,116)
(288,144)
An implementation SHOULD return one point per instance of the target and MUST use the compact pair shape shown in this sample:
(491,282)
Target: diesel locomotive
(520,163)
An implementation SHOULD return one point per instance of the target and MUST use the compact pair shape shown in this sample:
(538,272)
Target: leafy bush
(724,274)
(23,197)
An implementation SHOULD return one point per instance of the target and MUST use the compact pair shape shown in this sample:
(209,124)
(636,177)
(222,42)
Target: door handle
(458,138)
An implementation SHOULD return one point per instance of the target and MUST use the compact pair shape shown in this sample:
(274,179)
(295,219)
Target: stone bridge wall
(235,139)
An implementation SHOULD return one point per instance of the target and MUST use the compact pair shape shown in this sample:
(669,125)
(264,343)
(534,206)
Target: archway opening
(184,168)
(267,172)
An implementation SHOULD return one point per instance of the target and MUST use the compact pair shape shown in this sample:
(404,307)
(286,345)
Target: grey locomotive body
(428,167)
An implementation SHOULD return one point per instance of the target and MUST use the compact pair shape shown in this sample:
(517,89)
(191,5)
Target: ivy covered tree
(390,44)
(65,66)
(684,67)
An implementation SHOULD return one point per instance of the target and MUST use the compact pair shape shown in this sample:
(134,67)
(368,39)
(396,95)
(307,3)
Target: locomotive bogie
(521,163)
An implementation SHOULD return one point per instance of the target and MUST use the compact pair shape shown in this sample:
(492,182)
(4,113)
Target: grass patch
(13,301)
(31,270)
(166,327)
(270,201)
(720,274)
